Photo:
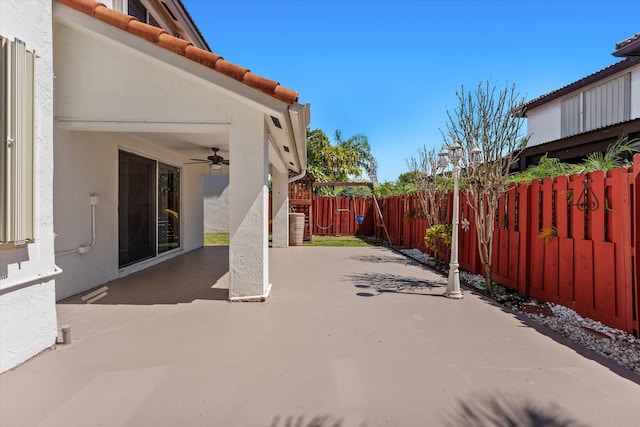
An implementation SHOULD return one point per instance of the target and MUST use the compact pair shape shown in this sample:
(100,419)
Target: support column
(248,208)
(280,208)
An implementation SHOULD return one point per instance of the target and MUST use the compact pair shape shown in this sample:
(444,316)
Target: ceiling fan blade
(225,162)
(197,161)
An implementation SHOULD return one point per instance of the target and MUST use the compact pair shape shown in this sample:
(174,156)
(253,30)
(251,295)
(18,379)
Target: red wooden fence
(338,216)
(588,262)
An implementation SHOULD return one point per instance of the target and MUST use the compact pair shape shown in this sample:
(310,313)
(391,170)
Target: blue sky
(390,69)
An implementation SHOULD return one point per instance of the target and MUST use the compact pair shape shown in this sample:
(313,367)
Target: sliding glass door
(168,207)
(148,208)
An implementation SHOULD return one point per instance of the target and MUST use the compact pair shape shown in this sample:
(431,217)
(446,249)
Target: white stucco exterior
(117,86)
(216,203)
(543,124)
(94,156)
(104,86)
(544,121)
(248,208)
(280,208)
(116,92)
(28,273)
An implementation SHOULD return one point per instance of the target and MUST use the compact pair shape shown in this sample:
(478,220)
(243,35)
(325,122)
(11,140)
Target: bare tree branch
(484,118)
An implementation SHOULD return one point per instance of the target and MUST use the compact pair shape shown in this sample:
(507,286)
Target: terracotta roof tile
(173,44)
(112,17)
(260,83)
(84,6)
(161,38)
(206,58)
(286,95)
(145,31)
(231,69)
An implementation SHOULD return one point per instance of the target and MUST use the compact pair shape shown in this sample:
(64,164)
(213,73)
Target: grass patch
(222,239)
(216,239)
(346,241)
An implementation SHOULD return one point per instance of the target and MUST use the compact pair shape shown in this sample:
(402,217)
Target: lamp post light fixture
(475,156)
(454,155)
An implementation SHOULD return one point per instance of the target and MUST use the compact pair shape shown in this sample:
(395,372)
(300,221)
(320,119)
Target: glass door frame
(155,210)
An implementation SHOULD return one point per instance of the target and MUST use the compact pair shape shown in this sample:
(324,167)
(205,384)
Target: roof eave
(579,84)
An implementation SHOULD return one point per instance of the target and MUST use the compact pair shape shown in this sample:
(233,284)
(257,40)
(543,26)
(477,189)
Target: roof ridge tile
(161,38)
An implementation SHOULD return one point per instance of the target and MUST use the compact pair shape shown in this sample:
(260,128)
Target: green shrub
(438,236)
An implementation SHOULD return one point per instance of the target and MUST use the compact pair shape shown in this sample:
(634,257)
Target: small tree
(429,184)
(485,119)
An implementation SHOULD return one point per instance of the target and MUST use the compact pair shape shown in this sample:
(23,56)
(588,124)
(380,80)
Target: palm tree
(359,144)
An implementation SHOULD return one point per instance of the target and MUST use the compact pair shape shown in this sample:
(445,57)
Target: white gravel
(609,342)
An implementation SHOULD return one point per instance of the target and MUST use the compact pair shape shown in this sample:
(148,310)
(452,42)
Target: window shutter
(16,153)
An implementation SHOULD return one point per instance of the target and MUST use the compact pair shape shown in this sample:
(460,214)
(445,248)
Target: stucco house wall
(543,124)
(94,157)
(216,203)
(163,99)
(128,87)
(27,273)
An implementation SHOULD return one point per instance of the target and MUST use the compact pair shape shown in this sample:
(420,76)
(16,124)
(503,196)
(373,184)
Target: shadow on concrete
(301,421)
(612,365)
(404,260)
(544,330)
(491,409)
(502,410)
(196,275)
(527,322)
(382,283)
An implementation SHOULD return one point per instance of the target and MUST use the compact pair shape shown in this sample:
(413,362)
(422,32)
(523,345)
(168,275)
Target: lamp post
(454,155)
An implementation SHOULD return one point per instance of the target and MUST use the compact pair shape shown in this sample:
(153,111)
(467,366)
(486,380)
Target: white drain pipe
(85,249)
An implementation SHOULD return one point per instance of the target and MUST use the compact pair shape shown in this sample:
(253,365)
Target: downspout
(300,119)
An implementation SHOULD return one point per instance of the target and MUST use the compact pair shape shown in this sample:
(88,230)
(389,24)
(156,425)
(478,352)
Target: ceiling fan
(215,161)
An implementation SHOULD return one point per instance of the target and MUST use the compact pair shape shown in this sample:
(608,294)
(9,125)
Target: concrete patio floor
(350,337)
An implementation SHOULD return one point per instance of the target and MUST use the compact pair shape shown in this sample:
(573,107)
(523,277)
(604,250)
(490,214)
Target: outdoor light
(455,153)
(443,158)
(453,284)
(475,156)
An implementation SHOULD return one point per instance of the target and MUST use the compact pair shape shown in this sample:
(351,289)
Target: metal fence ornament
(587,200)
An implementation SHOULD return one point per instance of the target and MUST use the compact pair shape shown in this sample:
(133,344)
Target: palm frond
(613,157)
